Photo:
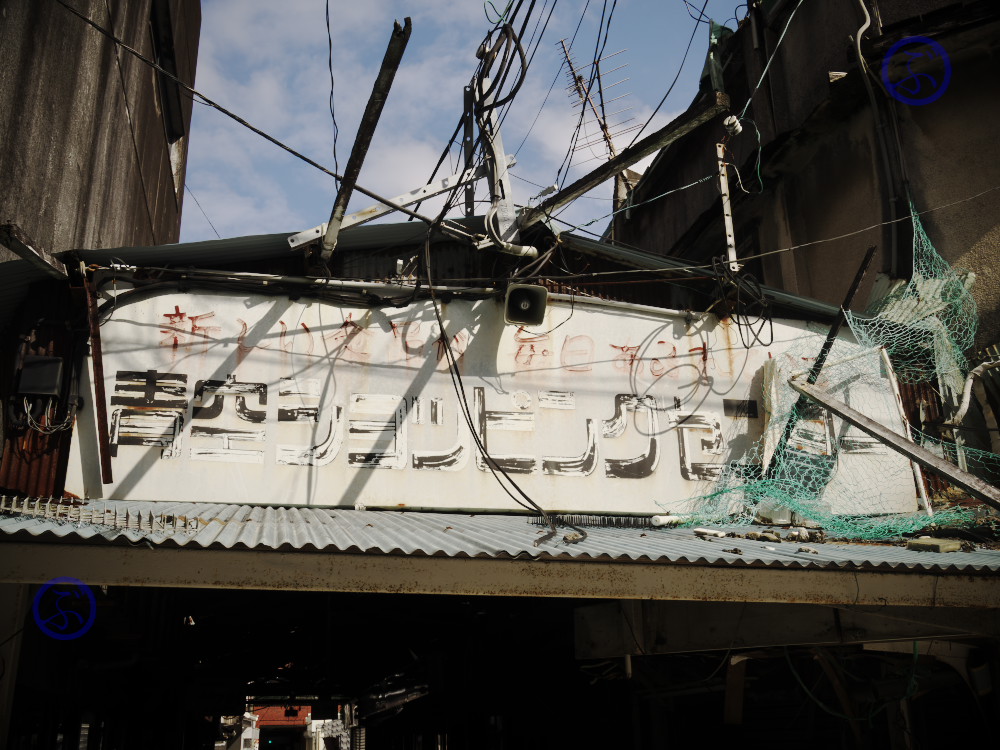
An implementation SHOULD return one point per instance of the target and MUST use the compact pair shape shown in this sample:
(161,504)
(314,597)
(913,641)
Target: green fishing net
(825,472)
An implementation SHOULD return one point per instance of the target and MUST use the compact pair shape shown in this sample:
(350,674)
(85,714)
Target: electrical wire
(501,17)
(531,58)
(757,163)
(131,130)
(450,227)
(790,248)
(50,414)
(749,301)
(635,205)
(734,17)
(521,498)
(198,203)
(599,48)
(701,17)
(774,54)
(809,693)
(333,112)
(511,486)
(673,83)
(545,187)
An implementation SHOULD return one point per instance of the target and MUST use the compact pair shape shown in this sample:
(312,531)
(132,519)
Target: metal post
(489,129)
(100,397)
(468,146)
(380,92)
(727,208)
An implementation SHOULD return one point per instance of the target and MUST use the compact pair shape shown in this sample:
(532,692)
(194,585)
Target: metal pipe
(100,398)
(369,121)
(717,104)
(968,482)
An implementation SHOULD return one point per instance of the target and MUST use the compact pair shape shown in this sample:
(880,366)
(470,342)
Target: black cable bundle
(744,301)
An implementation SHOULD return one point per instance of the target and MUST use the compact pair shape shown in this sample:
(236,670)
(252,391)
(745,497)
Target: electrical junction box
(40,376)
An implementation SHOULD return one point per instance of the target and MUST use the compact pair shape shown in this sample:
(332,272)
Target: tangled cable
(485,95)
(744,301)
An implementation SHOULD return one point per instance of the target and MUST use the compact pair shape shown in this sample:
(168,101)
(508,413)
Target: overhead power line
(198,203)
(774,54)
(673,83)
(333,111)
(790,248)
(449,226)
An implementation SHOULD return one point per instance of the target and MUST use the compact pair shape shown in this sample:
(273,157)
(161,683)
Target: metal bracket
(381,209)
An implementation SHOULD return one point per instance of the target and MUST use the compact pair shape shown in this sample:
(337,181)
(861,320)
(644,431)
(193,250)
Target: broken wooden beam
(15,243)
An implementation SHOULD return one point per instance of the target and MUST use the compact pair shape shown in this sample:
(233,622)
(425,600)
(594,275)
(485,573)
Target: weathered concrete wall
(950,151)
(73,173)
(822,160)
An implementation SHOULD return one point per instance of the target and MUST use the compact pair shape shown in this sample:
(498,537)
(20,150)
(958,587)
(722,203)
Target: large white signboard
(234,398)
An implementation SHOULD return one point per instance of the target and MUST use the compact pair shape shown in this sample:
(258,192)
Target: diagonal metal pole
(380,92)
(969,482)
(817,368)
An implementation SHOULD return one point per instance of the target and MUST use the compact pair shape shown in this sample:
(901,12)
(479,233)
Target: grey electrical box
(40,376)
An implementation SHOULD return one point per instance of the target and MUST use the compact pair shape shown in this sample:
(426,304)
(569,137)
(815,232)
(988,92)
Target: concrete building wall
(823,163)
(85,149)
(950,153)
(93,146)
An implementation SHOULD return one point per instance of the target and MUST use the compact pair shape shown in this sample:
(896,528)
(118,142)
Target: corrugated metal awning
(315,549)
(263,528)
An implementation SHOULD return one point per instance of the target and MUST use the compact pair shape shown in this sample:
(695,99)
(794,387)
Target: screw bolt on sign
(64,608)
(928,82)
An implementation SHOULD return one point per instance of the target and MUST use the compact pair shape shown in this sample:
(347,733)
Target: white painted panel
(250,399)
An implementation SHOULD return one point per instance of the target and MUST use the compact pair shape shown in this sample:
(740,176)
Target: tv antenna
(584,90)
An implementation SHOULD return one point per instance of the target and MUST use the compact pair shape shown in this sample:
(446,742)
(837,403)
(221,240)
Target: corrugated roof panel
(446,534)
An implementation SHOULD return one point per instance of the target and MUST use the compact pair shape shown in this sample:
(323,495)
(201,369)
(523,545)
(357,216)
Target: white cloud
(268,63)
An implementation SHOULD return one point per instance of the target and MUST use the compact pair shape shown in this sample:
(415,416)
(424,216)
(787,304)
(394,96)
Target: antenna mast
(578,86)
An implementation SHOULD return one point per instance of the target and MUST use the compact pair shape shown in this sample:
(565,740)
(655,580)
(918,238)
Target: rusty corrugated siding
(923,408)
(74,173)
(34,463)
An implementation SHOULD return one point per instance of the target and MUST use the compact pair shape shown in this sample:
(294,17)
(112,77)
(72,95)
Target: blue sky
(267,62)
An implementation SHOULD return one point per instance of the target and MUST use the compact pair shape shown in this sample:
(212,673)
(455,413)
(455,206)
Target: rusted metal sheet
(34,463)
(241,398)
(924,411)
